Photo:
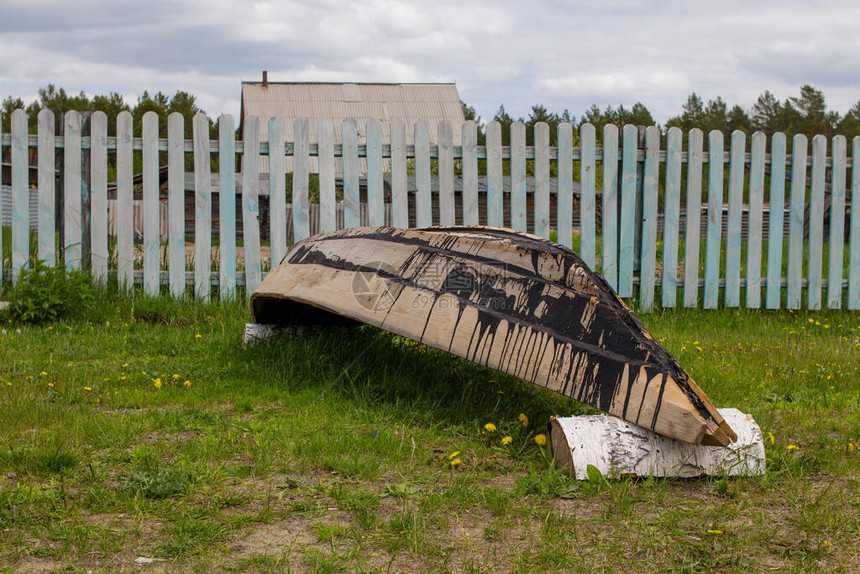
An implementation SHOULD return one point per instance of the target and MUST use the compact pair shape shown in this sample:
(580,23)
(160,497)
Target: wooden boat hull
(508,300)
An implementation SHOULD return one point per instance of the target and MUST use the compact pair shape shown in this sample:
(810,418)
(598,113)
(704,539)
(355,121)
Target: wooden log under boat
(511,301)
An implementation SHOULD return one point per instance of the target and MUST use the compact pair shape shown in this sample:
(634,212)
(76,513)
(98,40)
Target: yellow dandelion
(29,377)
(507,440)
(88,389)
(175,376)
(122,378)
(792,447)
(540,439)
(50,385)
(456,462)
(771,437)
(8,384)
(198,336)
(454,455)
(490,427)
(494,382)
(124,365)
(501,392)
(524,419)
(43,374)
(157,383)
(714,531)
(850,447)
(187,384)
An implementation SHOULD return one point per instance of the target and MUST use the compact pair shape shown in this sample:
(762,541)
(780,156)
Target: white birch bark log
(618,448)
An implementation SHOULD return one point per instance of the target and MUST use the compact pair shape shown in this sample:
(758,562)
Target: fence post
(20,194)
(715,220)
(47,188)
(86,175)
(611,188)
(837,223)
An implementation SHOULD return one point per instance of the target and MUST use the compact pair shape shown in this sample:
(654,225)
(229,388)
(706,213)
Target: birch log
(617,448)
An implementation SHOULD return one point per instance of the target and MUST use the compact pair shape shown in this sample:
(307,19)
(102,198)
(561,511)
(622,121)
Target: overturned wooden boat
(508,300)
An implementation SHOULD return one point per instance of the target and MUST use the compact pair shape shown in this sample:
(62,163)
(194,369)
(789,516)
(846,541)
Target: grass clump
(46,294)
(157,483)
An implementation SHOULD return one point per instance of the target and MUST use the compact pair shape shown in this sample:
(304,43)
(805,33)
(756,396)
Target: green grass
(332,452)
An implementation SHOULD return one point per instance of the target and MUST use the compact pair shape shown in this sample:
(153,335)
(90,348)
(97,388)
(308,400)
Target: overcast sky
(562,54)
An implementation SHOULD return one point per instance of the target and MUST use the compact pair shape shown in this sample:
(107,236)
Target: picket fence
(631,172)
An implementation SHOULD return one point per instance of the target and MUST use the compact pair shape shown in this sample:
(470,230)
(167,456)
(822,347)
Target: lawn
(147,438)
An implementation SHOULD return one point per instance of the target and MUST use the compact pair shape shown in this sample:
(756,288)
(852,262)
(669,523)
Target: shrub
(46,294)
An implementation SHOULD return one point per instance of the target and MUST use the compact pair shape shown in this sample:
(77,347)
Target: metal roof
(362,102)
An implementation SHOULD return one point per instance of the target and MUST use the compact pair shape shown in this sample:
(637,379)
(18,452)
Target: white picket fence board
(351,192)
(695,156)
(495,193)
(854,247)
(47,190)
(732,294)
(541,199)
(444,195)
(754,236)
(251,203)
(328,219)
(776,231)
(671,217)
(278,187)
(301,159)
(816,223)
(715,215)
(610,205)
(375,169)
(564,201)
(795,228)
(21,193)
(202,208)
(627,211)
(151,238)
(176,205)
(423,198)
(73,236)
(399,194)
(227,204)
(125,202)
(2,211)
(518,176)
(588,195)
(650,182)
(98,198)
(470,173)
(445,134)
(837,223)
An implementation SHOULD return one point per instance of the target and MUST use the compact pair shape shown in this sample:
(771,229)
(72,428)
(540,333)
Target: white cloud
(558,53)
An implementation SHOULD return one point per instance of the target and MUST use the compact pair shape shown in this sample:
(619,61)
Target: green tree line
(805,113)
(59,102)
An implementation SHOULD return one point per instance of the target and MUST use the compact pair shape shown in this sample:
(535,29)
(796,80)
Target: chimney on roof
(265,79)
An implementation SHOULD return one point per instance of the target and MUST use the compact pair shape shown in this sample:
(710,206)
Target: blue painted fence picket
(626,197)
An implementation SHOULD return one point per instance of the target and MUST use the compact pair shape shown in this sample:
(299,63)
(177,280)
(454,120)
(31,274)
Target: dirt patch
(174,437)
(31,564)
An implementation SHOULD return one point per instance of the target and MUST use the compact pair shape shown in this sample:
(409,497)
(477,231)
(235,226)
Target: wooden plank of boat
(507,300)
